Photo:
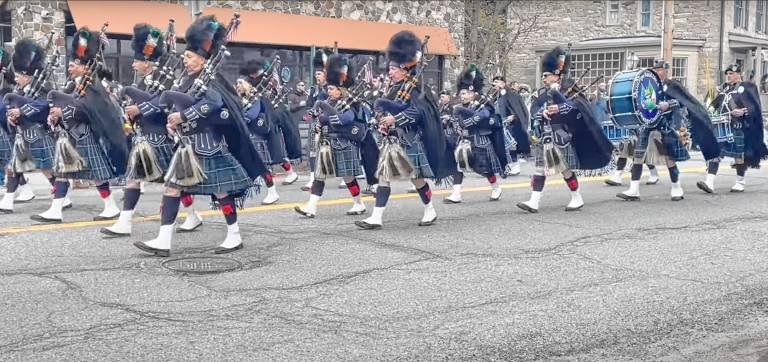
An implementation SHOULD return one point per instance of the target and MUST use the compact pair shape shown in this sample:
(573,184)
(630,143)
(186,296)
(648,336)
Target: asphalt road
(646,280)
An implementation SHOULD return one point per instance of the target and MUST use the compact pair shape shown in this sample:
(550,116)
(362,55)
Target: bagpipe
(393,161)
(260,89)
(185,168)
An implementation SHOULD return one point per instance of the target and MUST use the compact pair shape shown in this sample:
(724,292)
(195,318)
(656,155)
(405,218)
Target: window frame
(681,75)
(608,11)
(740,14)
(640,12)
(760,16)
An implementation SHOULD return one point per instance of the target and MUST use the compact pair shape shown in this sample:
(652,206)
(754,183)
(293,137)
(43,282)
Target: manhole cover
(202,265)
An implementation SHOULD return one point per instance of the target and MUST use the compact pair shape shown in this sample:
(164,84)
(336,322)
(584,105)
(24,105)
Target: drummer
(623,139)
(740,102)
(664,142)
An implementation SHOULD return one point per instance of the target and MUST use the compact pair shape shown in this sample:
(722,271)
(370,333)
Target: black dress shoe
(302,212)
(305,188)
(113,234)
(180,230)
(6,211)
(69,206)
(350,213)
(428,223)
(159,252)
(573,208)
(449,201)
(494,198)
(525,207)
(612,183)
(677,198)
(45,220)
(104,218)
(703,187)
(652,182)
(626,197)
(366,226)
(222,250)
(732,190)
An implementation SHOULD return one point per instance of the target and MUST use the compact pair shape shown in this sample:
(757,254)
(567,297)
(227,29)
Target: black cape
(512,103)
(440,157)
(237,138)
(701,124)
(754,145)
(106,122)
(592,146)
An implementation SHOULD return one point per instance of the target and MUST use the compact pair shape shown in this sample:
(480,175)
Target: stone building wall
(36,19)
(577,20)
(443,13)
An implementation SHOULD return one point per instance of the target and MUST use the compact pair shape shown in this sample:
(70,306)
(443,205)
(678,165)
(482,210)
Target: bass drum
(633,98)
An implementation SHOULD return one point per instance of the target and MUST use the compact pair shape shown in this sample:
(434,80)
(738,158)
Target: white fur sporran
(67,159)
(185,168)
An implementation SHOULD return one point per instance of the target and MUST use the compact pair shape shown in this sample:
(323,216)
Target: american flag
(275,80)
(368,73)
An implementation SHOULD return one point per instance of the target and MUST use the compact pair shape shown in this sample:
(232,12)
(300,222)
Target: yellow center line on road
(266,208)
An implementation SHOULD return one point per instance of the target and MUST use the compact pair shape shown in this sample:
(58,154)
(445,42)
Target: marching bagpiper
(514,114)
(481,140)
(569,136)
(341,135)
(738,101)
(30,147)
(148,164)
(215,156)
(665,142)
(317,92)
(6,81)
(413,124)
(264,132)
(89,121)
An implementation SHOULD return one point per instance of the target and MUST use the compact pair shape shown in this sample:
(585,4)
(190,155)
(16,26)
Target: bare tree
(494,30)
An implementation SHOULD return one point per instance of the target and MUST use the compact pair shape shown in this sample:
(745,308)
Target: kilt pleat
(418,157)
(97,165)
(224,174)
(262,148)
(675,150)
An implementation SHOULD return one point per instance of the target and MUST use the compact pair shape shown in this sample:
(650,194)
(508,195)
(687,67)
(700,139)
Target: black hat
(339,72)
(148,42)
(253,70)
(321,59)
(471,79)
(733,68)
(404,50)
(85,45)
(205,36)
(28,57)
(556,62)
(660,63)
(499,77)
(446,92)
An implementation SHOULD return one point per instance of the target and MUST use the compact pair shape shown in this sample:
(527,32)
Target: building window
(740,14)
(760,16)
(680,70)
(645,14)
(613,8)
(645,62)
(605,64)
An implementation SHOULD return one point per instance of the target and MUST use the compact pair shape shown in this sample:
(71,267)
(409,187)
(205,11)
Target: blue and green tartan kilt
(485,161)
(42,152)
(224,175)
(676,151)
(567,153)
(347,161)
(418,157)
(97,164)
(734,149)
(5,150)
(262,148)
